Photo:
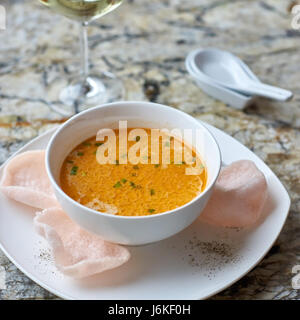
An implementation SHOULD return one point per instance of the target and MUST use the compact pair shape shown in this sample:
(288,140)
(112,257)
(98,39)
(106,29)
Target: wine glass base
(96,89)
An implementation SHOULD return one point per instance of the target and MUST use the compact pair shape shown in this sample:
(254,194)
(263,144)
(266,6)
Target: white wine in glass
(84,10)
(88,90)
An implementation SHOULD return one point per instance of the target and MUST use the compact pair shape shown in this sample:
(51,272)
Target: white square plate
(194,264)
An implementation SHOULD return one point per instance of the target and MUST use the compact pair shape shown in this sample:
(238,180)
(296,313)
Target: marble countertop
(145,44)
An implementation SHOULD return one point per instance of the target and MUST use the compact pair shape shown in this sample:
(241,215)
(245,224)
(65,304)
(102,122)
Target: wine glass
(88,89)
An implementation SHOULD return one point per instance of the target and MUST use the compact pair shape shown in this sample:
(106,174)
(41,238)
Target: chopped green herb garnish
(167,144)
(83,174)
(98,144)
(80,154)
(156,165)
(151,210)
(138,138)
(117,162)
(152,192)
(117,185)
(70,161)
(123,180)
(87,144)
(133,174)
(95,152)
(136,167)
(132,184)
(74,171)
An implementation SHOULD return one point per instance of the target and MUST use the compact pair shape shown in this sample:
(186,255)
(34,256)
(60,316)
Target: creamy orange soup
(130,189)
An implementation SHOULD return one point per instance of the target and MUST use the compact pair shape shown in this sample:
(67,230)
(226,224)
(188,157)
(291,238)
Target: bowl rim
(119,217)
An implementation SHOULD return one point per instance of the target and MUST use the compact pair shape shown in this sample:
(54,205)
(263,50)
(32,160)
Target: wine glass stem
(84,50)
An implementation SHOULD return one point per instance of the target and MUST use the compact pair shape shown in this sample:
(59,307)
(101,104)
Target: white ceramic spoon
(233,98)
(226,70)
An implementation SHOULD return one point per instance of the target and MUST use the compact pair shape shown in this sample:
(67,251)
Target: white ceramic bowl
(122,229)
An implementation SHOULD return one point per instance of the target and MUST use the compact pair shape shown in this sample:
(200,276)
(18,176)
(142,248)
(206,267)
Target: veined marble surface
(145,44)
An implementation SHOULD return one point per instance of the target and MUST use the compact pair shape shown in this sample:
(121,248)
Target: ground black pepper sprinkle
(210,256)
(45,255)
